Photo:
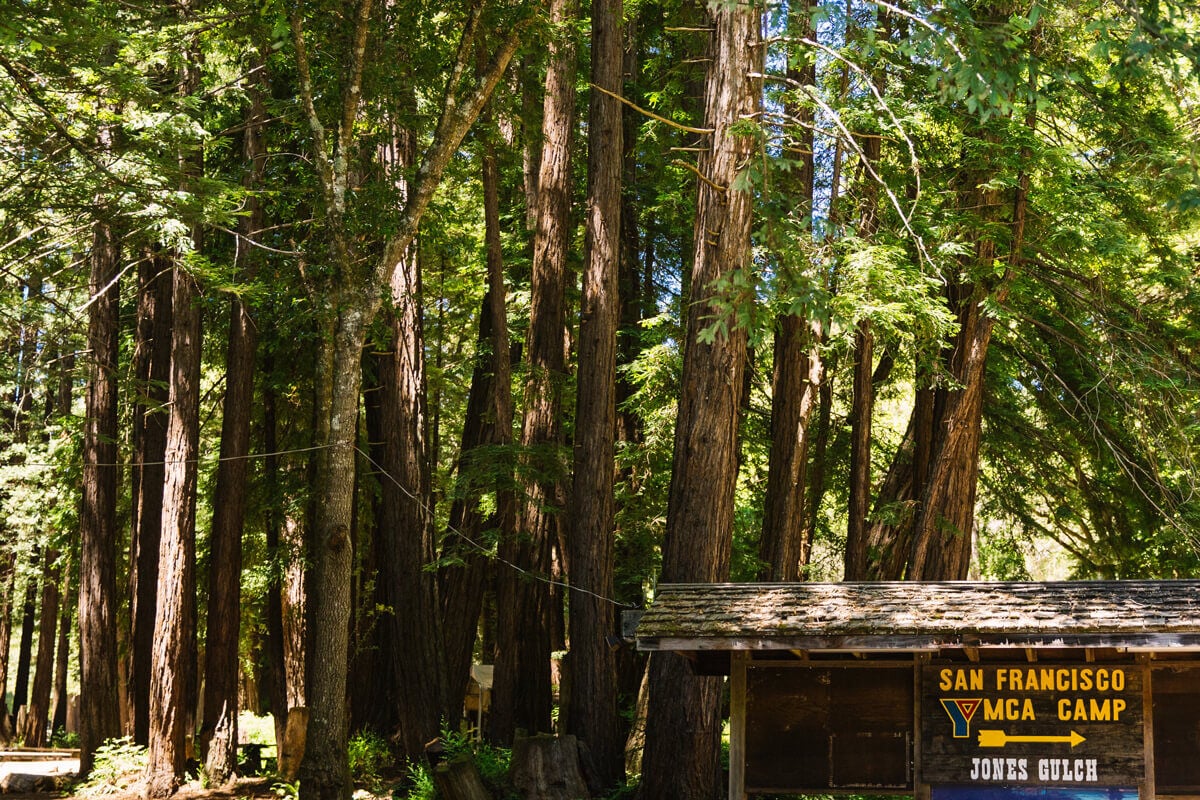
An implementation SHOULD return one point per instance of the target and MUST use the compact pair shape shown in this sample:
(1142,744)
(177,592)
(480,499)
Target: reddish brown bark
(8,573)
(218,732)
(37,716)
(25,644)
(683,726)
(521,697)
(173,659)
(489,421)
(151,371)
(61,664)
(413,649)
(798,368)
(99,717)
(926,507)
(591,705)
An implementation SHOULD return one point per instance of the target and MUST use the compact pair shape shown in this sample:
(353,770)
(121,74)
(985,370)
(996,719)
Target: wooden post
(737,724)
(1148,791)
(920,790)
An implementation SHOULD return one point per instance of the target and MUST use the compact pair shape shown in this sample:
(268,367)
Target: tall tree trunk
(863,401)
(324,773)
(28,623)
(100,716)
(936,469)
(219,733)
(861,411)
(353,298)
(285,592)
(683,727)
(489,421)
(414,648)
(152,372)
(521,697)
(798,368)
(36,718)
(591,710)
(62,664)
(8,574)
(173,660)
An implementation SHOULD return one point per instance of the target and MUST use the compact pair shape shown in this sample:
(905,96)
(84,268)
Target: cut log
(546,767)
(458,779)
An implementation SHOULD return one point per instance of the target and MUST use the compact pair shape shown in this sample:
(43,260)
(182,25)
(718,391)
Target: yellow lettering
(1102,684)
(1118,707)
(1118,680)
(1027,710)
(945,683)
(1100,711)
(1085,680)
(1064,709)
(993,710)
(1080,709)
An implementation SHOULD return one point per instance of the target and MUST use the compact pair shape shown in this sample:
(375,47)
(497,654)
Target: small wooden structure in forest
(1086,689)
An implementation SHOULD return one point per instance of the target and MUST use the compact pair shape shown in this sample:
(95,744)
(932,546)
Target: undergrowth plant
(368,754)
(491,761)
(118,764)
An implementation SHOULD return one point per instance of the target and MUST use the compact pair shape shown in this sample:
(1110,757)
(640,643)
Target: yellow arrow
(1000,738)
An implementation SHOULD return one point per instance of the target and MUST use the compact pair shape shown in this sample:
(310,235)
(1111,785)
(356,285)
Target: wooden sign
(1032,725)
(816,729)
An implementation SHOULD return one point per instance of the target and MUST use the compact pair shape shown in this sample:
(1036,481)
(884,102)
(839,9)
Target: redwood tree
(683,727)
(173,660)
(591,704)
(521,696)
(219,733)
(99,715)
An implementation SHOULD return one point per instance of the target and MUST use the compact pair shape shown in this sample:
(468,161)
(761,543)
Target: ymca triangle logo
(960,711)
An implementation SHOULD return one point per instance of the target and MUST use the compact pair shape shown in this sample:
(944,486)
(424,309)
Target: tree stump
(291,753)
(458,779)
(546,767)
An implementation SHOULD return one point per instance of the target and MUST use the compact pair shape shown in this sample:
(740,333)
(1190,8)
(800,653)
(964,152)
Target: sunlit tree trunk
(99,716)
(37,716)
(683,727)
(798,367)
(151,371)
(61,664)
(173,659)
(489,421)
(521,697)
(219,733)
(591,710)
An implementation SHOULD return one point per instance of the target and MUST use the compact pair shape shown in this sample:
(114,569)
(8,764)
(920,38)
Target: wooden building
(951,690)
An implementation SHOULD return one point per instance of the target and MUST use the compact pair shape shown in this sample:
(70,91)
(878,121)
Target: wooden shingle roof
(1145,615)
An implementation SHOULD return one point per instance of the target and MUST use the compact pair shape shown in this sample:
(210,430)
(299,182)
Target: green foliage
(64,739)
(368,755)
(491,761)
(118,764)
(286,791)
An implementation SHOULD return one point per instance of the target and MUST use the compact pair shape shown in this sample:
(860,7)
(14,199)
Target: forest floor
(264,788)
(252,788)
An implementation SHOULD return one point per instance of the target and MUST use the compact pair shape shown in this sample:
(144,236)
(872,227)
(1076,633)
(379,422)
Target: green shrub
(118,764)
(368,754)
(492,763)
